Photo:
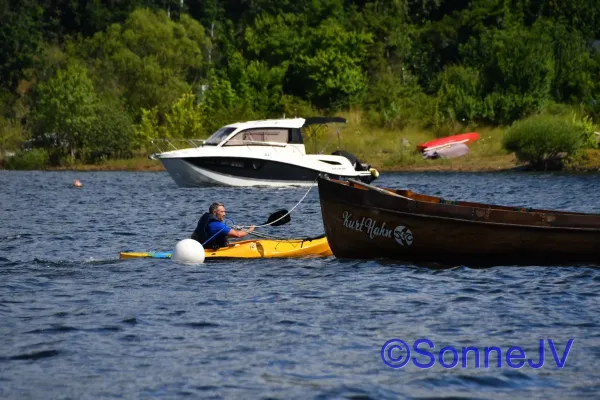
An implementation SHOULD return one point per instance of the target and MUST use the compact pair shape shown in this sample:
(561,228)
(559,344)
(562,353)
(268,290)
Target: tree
(435,46)
(152,58)
(257,85)
(111,135)
(573,65)
(65,110)
(20,39)
(330,71)
(185,118)
(12,135)
(277,39)
(459,94)
(221,103)
(394,97)
(582,14)
(517,70)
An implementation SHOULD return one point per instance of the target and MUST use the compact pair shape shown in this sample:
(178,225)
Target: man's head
(218,210)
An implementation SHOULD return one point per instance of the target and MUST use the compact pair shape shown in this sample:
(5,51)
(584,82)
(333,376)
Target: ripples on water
(77,322)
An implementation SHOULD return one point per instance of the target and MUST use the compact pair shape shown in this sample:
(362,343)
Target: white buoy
(188,251)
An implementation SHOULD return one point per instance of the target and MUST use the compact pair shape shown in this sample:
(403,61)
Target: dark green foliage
(459,94)
(257,86)
(292,107)
(151,59)
(277,39)
(222,104)
(574,114)
(330,72)
(592,106)
(435,46)
(395,100)
(111,135)
(12,135)
(582,14)
(573,65)
(29,159)
(436,64)
(65,111)
(517,69)
(20,39)
(540,140)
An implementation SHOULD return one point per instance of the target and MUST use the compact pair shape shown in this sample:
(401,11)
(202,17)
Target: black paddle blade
(277,216)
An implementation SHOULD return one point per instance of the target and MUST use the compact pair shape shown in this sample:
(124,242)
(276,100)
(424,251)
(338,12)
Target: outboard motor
(356,164)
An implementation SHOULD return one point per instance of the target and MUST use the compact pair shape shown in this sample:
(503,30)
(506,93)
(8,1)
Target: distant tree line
(94,79)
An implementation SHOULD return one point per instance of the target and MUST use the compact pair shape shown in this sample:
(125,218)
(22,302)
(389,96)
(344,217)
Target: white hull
(187,175)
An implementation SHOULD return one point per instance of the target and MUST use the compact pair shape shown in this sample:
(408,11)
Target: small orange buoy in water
(77,183)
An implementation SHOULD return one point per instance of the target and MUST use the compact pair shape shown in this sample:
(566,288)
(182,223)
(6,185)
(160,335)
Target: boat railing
(254,143)
(170,143)
(257,143)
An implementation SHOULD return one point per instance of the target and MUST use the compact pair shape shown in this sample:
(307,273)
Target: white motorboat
(260,153)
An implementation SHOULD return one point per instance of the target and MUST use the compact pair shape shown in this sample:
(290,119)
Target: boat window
(295,136)
(218,136)
(331,162)
(260,136)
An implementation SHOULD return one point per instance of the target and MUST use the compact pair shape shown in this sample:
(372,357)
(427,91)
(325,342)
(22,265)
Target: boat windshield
(218,136)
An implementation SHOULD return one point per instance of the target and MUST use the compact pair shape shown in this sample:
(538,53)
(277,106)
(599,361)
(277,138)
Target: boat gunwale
(457,203)
(553,228)
(516,211)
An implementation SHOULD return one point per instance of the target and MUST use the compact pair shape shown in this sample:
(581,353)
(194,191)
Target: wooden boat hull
(369,223)
(257,248)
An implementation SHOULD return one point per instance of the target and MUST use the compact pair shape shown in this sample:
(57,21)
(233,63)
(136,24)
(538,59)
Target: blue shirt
(215,226)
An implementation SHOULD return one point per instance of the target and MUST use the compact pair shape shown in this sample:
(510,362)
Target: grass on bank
(396,150)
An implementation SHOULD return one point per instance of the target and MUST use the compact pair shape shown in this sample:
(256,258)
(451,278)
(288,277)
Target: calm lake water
(78,323)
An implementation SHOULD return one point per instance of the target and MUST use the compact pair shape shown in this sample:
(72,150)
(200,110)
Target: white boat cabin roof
(269,123)
(266,132)
(285,122)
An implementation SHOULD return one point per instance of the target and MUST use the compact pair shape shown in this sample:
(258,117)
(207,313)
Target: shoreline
(417,169)
(588,163)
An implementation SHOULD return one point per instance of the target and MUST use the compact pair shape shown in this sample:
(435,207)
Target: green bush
(540,140)
(112,136)
(588,135)
(12,134)
(30,159)
(395,100)
(295,107)
(458,94)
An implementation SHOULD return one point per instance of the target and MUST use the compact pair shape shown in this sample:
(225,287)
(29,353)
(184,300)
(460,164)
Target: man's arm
(240,233)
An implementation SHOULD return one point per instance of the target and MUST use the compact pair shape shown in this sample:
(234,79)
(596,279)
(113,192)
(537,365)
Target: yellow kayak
(256,248)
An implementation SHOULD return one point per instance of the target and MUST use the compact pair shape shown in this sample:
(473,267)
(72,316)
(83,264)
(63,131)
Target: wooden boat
(365,221)
(465,138)
(256,248)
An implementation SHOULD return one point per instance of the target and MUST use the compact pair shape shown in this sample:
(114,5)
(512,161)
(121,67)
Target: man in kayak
(212,232)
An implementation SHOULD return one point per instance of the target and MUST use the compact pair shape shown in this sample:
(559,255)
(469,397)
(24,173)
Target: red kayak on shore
(465,138)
